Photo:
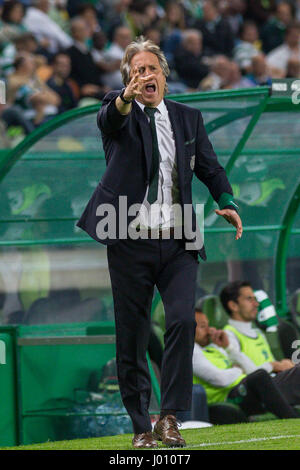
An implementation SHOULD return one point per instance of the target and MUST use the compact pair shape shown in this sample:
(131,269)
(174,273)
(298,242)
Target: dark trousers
(135,267)
(259,392)
(288,382)
(199,408)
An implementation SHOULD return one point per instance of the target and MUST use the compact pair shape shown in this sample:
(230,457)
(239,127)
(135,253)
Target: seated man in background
(84,71)
(224,381)
(60,83)
(248,345)
(24,89)
(188,59)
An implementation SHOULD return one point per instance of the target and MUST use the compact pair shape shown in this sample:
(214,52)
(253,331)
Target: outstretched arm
(212,174)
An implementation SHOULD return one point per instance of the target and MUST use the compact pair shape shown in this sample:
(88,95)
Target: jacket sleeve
(210,172)
(109,119)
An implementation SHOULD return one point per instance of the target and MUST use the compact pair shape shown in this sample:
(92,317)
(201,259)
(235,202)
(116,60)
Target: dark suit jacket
(127,144)
(83,68)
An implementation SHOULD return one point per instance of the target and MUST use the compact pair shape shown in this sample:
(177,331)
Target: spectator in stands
(225,381)
(188,59)
(273,32)
(26,42)
(60,83)
(84,70)
(154,35)
(293,68)
(234,11)
(121,39)
(219,76)
(172,26)
(25,90)
(98,53)
(11,22)
(48,33)
(260,10)
(235,79)
(13,14)
(249,347)
(13,116)
(193,9)
(88,13)
(141,15)
(247,47)
(218,37)
(59,14)
(297,9)
(259,74)
(108,65)
(278,58)
(115,13)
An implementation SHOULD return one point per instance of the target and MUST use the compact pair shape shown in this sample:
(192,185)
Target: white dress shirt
(42,26)
(280,56)
(160,214)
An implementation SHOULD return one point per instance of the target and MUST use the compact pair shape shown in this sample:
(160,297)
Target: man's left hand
(234,219)
(219,337)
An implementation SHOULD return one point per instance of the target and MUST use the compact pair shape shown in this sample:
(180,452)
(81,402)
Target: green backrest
(211,306)
(274,343)
(295,307)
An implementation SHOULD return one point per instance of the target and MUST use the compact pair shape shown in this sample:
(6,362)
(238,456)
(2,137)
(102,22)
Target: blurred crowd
(59,54)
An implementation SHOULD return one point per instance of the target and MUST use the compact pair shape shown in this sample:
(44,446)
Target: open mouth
(150,88)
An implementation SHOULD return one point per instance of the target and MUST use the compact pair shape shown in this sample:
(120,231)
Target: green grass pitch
(268,435)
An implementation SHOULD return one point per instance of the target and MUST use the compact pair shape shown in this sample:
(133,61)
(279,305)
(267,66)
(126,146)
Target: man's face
(245,309)
(202,329)
(123,37)
(293,37)
(80,31)
(62,66)
(284,13)
(153,91)
(194,44)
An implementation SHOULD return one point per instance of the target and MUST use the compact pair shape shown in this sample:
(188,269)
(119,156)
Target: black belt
(158,234)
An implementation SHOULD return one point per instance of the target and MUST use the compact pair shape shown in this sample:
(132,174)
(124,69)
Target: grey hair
(189,32)
(141,44)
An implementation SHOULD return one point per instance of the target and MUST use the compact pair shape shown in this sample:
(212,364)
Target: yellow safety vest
(257,349)
(218,359)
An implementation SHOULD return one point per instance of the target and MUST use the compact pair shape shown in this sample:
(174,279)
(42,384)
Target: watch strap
(121,95)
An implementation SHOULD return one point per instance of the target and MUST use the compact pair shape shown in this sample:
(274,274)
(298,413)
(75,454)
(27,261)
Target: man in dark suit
(153,147)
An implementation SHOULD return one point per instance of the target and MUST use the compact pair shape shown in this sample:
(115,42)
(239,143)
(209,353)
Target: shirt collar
(243,327)
(161,108)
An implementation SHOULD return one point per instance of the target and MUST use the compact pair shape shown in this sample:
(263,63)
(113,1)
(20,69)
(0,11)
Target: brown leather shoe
(144,440)
(166,430)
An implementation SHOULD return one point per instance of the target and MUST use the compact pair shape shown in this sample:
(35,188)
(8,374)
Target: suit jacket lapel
(146,136)
(178,131)
(177,126)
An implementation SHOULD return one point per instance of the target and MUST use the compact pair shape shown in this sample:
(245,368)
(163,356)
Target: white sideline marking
(242,441)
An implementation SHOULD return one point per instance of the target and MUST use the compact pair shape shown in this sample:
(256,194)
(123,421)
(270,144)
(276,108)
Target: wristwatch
(121,95)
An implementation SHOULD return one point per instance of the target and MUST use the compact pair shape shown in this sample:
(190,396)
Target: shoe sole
(173,444)
(144,447)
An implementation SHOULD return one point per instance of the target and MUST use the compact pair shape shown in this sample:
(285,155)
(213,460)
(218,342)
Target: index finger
(239,231)
(134,72)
